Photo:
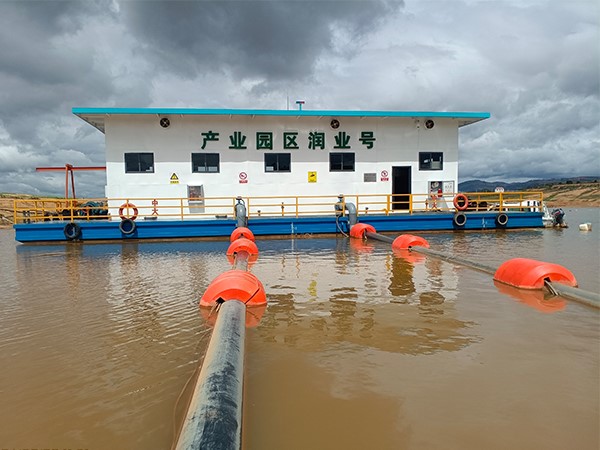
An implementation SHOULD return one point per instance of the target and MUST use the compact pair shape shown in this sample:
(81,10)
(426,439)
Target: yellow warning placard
(174,178)
(312,177)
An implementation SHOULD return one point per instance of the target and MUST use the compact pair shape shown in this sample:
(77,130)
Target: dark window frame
(277,163)
(427,160)
(132,159)
(206,164)
(346,163)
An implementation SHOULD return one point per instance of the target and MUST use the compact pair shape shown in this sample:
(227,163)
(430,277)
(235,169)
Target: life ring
(461,202)
(127,226)
(125,206)
(502,219)
(72,231)
(460,219)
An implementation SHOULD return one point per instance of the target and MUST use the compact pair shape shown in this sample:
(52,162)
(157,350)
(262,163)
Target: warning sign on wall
(174,178)
(312,177)
(243,177)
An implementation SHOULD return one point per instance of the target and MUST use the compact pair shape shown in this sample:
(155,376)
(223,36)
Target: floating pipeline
(233,301)
(520,273)
(214,416)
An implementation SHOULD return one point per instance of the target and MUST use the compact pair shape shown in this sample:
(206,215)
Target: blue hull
(54,231)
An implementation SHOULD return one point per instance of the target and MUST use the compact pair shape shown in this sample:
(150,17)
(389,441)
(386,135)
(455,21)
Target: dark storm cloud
(40,74)
(533,64)
(271,39)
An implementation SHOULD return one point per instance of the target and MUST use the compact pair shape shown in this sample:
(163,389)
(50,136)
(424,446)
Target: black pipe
(214,417)
(455,259)
(587,298)
(379,237)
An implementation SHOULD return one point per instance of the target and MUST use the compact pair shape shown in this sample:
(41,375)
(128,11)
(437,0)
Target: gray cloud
(271,39)
(533,65)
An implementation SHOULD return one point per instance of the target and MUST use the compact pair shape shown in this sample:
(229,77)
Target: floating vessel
(94,219)
(188,173)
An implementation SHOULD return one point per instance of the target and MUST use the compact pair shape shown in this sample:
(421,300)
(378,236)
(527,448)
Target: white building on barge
(159,153)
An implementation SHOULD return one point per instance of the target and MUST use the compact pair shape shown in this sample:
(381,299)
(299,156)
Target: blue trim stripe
(273,112)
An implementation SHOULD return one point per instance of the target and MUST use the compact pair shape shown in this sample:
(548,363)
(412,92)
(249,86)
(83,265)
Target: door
(401,187)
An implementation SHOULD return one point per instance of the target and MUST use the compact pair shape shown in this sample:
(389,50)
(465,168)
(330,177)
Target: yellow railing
(38,210)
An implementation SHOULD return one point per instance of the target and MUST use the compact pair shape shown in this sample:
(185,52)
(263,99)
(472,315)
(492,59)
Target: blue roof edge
(275,112)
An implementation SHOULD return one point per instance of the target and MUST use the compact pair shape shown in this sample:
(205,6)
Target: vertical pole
(72,180)
(66,181)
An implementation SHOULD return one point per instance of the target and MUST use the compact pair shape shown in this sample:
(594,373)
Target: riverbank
(576,195)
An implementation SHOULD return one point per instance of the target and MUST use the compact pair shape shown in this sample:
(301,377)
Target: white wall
(398,143)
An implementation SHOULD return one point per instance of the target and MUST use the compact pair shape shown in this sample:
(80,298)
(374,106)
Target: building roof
(96,116)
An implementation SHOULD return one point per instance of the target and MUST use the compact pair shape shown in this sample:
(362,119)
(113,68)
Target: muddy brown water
(358,348)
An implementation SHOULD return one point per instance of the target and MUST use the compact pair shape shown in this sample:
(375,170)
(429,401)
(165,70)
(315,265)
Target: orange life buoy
(128,206)
(461,202)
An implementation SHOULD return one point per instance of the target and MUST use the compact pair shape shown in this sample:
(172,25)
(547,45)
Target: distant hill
(489,186)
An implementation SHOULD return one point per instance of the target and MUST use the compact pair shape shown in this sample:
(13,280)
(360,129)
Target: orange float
(526,273)
(358,230)
(235,285)
(405,241)
(242,232)
(242,245)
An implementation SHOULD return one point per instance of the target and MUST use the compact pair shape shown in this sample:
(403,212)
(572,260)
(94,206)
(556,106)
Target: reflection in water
(401,282)
(537,299)
(349,310)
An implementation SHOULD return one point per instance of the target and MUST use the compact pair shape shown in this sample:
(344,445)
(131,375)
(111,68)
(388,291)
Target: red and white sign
(385,175)
(243,177)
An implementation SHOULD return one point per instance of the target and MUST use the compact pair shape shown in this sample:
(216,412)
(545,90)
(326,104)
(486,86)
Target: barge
(56,220)
(193,173)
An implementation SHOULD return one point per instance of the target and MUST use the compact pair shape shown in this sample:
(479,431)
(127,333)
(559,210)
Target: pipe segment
(214,416)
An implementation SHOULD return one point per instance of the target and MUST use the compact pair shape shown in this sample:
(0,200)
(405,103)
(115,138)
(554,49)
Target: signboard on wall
(385,176)
(243,177)
(312,177)
(370,177)
(174,178)
(448,187)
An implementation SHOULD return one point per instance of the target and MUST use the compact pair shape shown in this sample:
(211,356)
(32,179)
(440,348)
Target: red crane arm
(68,169)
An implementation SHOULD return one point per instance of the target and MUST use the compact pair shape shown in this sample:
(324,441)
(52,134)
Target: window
(139,162)
(341,162)
(431,161)
(205,162)
(277,162)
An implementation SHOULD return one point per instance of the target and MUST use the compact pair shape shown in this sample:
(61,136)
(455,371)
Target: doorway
(401,188)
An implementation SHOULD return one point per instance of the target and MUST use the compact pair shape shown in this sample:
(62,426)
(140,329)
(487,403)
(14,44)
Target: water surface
(358,348)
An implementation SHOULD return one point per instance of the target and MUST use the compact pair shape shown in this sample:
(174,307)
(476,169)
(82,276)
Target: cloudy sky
(534,65)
